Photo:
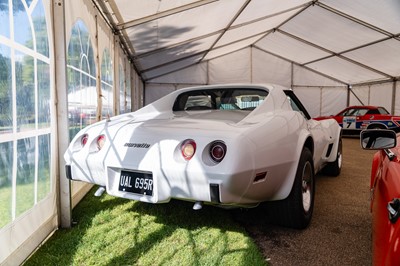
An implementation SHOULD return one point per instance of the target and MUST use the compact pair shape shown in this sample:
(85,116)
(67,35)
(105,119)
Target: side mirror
(377,139)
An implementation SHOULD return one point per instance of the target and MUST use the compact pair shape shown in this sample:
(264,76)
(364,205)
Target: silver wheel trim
(307,186)
(339,159)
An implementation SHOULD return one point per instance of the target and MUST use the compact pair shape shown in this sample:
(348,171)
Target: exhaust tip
(198,205)
(99,191)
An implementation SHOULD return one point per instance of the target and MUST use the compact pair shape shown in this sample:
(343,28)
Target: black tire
(334,168)
(296,210)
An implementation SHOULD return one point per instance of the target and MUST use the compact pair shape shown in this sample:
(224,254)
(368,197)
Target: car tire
(334,168)
(296,210)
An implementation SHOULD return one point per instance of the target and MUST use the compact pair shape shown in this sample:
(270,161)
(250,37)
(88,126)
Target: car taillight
(188,148)
(84,139)
(101,140)
(217,151)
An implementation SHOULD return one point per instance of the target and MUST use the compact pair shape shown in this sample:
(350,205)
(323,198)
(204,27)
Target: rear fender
(376,162)
(335,132)
(304,140)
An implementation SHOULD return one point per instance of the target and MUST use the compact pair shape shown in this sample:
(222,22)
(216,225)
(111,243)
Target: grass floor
(115,231)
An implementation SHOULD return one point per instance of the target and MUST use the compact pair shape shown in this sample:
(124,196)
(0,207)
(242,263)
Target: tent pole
(63,185)
(394,96)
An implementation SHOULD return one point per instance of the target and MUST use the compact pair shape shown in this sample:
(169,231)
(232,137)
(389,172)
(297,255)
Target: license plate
(136,182)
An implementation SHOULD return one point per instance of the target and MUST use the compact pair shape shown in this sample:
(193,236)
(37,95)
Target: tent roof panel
(254,28)
(288,48)
(261,8)
(345,71)
(384,56)
(163,56)
(183,26)
(217,52)
(383,14)
(169,68)
(137,9)
(329,30)
(349,41)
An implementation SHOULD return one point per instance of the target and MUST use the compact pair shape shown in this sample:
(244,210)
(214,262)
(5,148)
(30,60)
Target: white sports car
(226,145)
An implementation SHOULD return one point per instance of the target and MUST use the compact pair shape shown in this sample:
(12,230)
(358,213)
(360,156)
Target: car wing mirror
(378,139)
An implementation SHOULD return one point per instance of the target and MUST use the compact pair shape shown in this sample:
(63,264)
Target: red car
(353,119)
(385,195)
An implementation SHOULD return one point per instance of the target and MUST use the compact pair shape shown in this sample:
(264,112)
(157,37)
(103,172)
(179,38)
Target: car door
(385,199)
(386,226)
(354,118)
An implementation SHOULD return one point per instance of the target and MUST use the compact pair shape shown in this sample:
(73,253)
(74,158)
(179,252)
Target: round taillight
(217,151)
(101,140)
(188,148)
(84,139)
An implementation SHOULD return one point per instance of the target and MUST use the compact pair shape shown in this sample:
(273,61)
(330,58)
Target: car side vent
(214,193)
(328,152)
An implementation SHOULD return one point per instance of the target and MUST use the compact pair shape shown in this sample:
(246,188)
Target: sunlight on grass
(114,231)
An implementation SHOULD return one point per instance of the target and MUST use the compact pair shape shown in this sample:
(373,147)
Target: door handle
(393,208)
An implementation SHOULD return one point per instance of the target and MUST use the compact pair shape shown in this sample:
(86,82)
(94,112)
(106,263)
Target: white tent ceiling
(353,42)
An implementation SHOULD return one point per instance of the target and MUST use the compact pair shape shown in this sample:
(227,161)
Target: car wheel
(334,168)
(296,210)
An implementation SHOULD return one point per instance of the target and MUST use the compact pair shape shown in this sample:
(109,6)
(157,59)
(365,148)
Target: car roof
(363,107)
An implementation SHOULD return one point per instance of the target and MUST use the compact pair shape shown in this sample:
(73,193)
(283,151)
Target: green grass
(115,231)
(25,199)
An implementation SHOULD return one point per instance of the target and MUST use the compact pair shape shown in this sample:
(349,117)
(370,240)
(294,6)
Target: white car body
(263,147)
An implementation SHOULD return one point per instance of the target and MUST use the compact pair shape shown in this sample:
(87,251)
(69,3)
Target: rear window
(220,99)
(383,111)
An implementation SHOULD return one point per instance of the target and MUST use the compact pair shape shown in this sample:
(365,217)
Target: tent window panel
(107,85)
(4,19)
(25,192)
(44,181)
(23,32)
(25,103)
(43,79)
(6,102)
(128,92)
(24,70)
(39,24)
(81,75)
(6,163)
(121,89)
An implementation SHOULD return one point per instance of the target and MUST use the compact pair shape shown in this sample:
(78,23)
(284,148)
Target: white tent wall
(137,90)
(375,94)
(332,94)
(253,65)
(381,94)
(196,74)
(27,230)
(311,99)
(156,91)
(74,11)
(85,11)
(267,68)
(231,68)
(333,100)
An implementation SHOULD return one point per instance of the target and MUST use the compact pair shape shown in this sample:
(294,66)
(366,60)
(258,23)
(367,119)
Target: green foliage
(115,231)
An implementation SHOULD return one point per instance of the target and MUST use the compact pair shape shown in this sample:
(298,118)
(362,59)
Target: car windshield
(220,99)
